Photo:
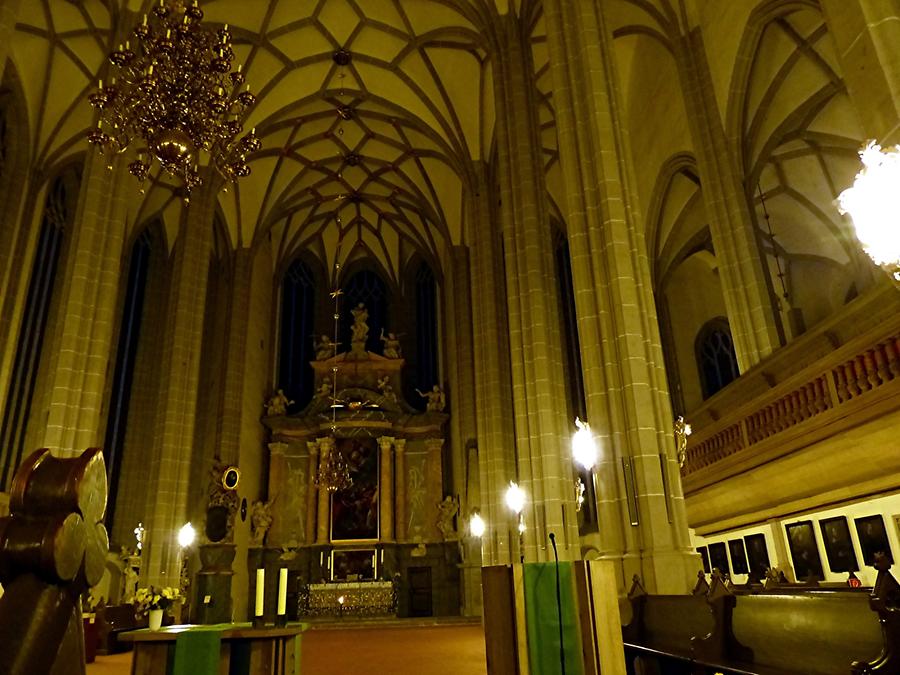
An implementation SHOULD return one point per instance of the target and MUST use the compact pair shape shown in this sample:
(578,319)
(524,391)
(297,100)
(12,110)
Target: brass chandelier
(176,95)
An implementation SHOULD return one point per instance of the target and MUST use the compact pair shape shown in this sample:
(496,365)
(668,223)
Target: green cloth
(197,650)
(542,619)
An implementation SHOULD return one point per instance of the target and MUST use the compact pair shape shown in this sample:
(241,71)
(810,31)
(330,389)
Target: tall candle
(260,590)
(282,591)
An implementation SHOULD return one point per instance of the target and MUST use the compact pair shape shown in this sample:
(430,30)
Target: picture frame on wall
(738,556)
(804,552)
(718,558)
(838,544)
(873,538)
(757,554)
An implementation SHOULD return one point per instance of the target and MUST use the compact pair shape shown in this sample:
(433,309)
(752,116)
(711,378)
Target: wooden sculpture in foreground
(53,547)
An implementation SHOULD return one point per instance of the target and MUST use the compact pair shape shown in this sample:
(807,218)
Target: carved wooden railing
(829,378)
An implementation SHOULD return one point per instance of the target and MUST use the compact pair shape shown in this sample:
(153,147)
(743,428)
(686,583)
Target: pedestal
(213,599)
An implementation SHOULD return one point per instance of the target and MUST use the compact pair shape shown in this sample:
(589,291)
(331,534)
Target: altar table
(358,598)
(225,649)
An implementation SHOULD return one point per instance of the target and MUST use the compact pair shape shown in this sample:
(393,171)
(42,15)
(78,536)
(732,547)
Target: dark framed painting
(353,565)
(804,552)
(354,511)
(873,538)
(738,556)
(704,556)
(718,557)
(838,544)
(757,554)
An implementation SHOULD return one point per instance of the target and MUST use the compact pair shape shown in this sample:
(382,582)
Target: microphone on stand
(562,649)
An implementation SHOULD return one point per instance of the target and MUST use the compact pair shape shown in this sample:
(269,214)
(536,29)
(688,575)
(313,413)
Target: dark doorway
(420,591)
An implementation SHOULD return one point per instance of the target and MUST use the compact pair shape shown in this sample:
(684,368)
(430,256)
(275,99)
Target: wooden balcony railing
(822,383)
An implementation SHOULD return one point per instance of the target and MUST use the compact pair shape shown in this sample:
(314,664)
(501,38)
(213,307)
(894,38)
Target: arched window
(426,372)
(716,360)
(126,354)
(58,208)
(367,287)
(298,304)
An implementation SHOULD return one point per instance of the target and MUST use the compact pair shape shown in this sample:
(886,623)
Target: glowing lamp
(515,498)
(186,535)
(476,525)
(584,450)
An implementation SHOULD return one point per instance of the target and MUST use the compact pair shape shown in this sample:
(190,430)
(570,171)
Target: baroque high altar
(393,527)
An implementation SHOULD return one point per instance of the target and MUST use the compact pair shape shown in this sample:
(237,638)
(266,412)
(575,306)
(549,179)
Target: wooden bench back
(811,633)
(670,621)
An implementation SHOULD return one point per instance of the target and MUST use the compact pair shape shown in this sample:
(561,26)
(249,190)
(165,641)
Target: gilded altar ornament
(579,494)
(682,431)
(174,95)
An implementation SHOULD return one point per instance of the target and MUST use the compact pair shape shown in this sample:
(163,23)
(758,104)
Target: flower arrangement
(148,599)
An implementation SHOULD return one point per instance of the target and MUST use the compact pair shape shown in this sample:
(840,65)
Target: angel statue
(325,348)
(437,401)
(447,511)
(391,345)
(360,328)
(682,431)
(260,521)
(278,404)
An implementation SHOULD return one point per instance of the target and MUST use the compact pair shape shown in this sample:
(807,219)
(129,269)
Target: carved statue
(325,348)
(278,404)
(579,493)
(437,401)
(682,431)
(391,345)
(260,521)
(447,511)
(384,386)
(325,389)
(360,328)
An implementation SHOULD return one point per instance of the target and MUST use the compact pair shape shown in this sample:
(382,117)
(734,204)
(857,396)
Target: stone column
(386,489)
(745,280)
(400,486)
(323,512)
(88,301)
(543,460)
(627,402)
(169,466)
(311,492)
(866,34)
(278,480)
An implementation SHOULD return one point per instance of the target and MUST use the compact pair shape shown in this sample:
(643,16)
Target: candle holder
(281,621)
(259,622)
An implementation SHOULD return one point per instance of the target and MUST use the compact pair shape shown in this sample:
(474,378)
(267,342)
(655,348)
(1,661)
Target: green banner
(543,615)
(197,650)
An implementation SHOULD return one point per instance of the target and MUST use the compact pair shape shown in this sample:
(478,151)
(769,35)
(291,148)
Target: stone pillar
(745,280)
(400,486)
(625,386)
(278,481)
(311,492)
(543,459)
(386,489)
(88,302)
(323,515)
(169,466)
(866,34)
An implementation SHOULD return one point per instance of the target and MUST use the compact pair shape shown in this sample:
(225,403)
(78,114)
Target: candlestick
(260,590)
(282,591)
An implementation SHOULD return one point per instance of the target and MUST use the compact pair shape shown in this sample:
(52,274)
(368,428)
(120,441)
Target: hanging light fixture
(873,203)
(334,473)
(174,95)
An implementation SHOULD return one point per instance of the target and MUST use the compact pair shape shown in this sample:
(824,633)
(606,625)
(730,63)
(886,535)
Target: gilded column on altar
(326,446)
(312,470)
(386,488)
(400,500)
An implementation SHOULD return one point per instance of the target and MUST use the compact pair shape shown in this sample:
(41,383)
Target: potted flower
(153,602)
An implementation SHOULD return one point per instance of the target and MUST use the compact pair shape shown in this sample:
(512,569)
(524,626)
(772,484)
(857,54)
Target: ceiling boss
(174,95)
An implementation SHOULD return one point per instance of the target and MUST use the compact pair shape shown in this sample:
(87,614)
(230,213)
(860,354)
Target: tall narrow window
(126,353)
(368,288)
(298,298)
(57,210)
(716,359)
(426,374)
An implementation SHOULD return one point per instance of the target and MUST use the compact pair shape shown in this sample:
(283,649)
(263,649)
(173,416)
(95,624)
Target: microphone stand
(562,648)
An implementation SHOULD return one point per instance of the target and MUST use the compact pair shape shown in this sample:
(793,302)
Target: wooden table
(263,651)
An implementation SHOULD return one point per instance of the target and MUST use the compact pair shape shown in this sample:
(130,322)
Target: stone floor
(396,649)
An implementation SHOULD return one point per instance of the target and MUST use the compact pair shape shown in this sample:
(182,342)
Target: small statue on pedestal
(278,404)
(260,521)
(437,401)
(384,386)
(359,331)
(447,511)
(391,345)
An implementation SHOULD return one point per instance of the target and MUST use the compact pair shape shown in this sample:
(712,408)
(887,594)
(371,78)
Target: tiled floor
(414,650)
